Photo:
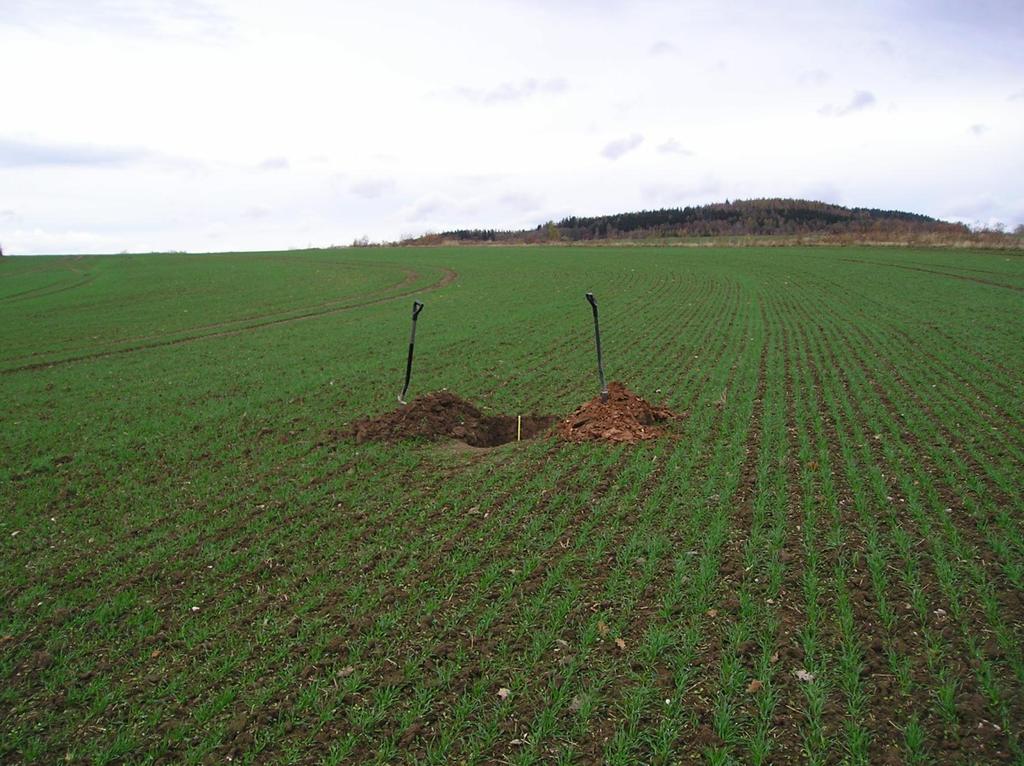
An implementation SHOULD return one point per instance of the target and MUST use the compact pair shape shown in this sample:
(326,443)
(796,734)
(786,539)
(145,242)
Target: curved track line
(941,273)
(450,275)
(42,292)
(410,278)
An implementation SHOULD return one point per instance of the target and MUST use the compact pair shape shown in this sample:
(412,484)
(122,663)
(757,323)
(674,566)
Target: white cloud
(371,188)
(521,201)
(275,163)
(861,100)
(256,212)
(821,191)
(620,146)
(180,20)
(508,92)
(680,195)
(671,146)
(663,48)
(814,77)
(32,154)
(428,207)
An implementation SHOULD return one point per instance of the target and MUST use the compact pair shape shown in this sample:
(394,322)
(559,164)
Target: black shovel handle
(417,307)
(597,335)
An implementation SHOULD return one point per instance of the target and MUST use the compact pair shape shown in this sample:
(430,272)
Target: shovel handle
(597,337)
(417,307)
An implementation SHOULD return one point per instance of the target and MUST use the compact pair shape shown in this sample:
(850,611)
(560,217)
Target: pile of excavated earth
(624,418)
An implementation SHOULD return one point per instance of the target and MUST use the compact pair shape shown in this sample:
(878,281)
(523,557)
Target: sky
(224,125)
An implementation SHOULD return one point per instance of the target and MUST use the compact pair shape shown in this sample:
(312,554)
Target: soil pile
(625,418)
(443,413)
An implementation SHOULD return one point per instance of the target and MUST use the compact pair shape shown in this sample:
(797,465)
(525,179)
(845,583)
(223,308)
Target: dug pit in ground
(624,418)
(444,414)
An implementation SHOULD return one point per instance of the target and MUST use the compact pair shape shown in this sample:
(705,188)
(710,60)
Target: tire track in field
(940,273)
(964,268)
(91,348)
(410,277)
(449,277)
(45,291)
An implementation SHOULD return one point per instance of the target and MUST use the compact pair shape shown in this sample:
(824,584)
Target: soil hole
(624,418)
(443,413)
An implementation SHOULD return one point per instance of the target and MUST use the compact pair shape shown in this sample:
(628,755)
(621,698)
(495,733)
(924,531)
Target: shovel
(597,335)
(417,307)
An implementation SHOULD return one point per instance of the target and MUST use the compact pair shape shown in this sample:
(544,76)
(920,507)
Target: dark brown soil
(442,414)
(625,417)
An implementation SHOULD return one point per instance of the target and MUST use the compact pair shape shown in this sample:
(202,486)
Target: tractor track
(940,273)
(450,275)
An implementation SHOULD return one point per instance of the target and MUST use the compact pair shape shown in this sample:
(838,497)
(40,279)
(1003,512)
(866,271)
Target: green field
(822,563)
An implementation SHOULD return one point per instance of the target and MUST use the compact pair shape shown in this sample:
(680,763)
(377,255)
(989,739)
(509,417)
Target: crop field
(822,562)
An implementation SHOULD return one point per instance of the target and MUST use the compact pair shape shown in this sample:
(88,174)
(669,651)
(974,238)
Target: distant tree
(760,217)
(1019,231)
(2,251)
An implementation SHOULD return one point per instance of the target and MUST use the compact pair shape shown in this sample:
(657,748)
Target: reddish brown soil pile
(625,417)
(442,413)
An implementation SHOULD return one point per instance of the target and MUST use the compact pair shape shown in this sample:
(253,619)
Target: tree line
(755,217)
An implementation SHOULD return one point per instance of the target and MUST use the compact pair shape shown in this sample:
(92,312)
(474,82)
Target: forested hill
(756,217)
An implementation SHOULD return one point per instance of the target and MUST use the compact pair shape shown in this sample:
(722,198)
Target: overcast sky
(227,124)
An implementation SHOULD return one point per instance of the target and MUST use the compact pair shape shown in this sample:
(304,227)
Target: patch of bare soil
(444,414)
(624,418)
